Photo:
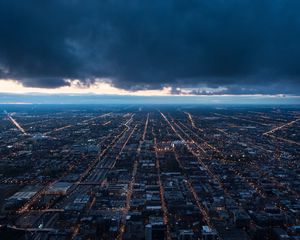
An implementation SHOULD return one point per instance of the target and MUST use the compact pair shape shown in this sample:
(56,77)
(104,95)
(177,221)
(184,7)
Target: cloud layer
(249,46)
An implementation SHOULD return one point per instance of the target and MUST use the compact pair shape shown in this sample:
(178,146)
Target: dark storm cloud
(247,46)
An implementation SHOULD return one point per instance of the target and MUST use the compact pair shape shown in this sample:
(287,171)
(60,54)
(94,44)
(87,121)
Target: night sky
(232,46)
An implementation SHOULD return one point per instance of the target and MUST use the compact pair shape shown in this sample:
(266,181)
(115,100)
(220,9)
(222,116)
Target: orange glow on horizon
(99,87)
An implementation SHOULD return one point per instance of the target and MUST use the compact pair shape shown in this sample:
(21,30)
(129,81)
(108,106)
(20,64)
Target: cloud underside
(233,46)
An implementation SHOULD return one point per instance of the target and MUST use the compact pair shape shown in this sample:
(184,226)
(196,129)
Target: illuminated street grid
(89,172)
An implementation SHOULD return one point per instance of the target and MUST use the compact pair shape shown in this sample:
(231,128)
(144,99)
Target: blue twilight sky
(152,48)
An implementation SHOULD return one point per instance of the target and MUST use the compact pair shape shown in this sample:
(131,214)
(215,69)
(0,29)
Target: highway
(281,127)
(192,121)
(15,123)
